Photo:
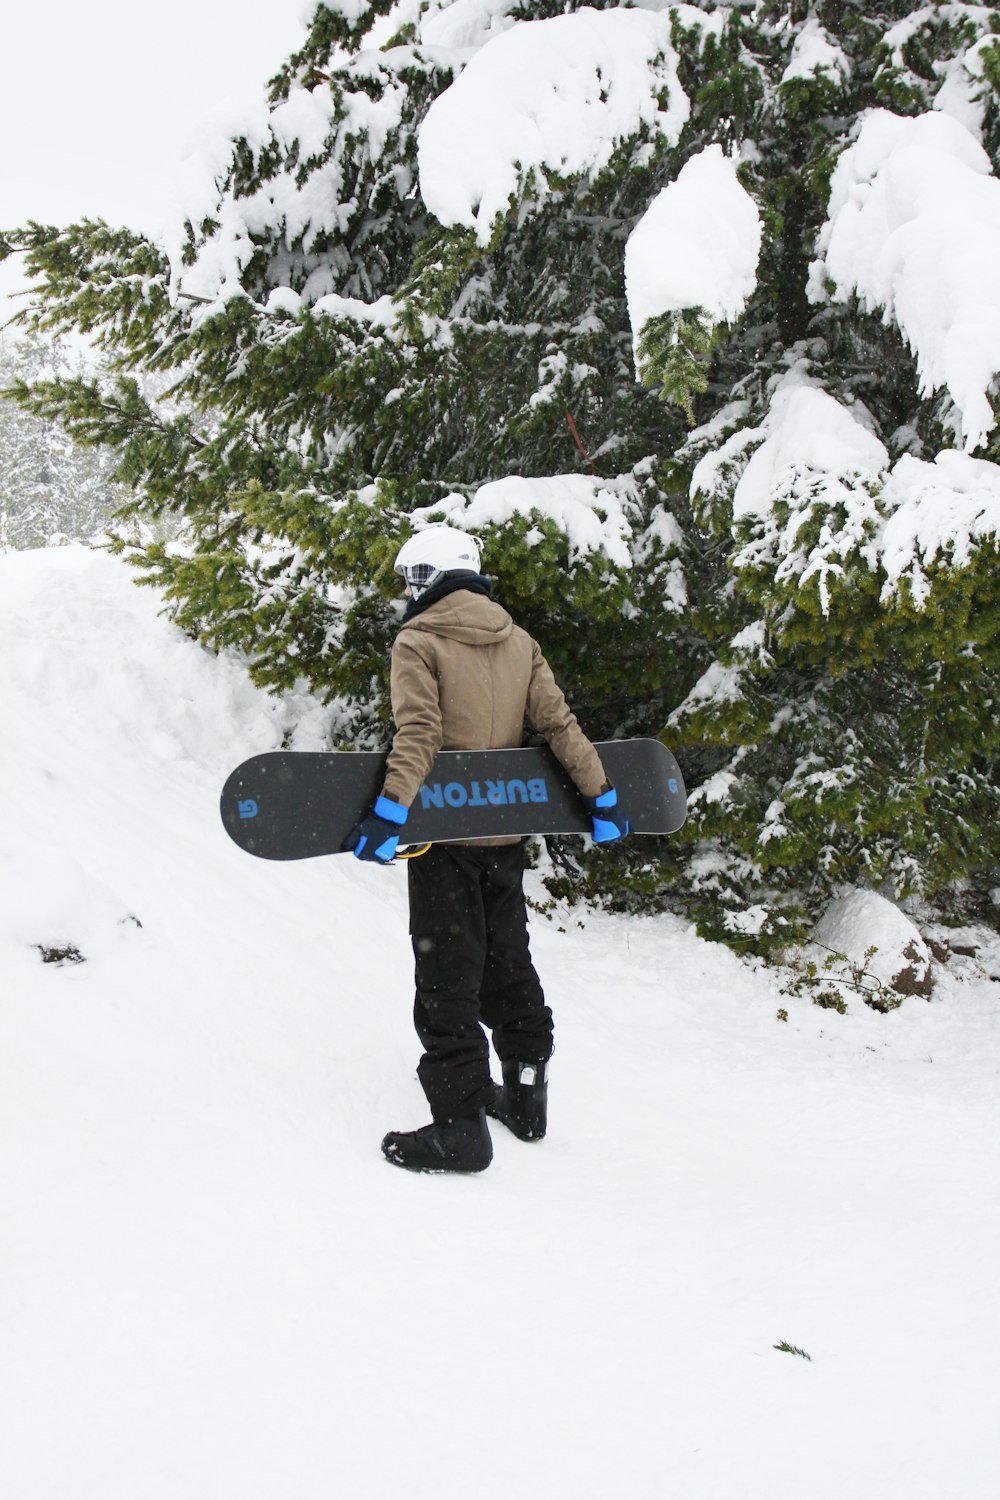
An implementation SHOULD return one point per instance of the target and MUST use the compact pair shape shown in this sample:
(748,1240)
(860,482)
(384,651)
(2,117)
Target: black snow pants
(469,929)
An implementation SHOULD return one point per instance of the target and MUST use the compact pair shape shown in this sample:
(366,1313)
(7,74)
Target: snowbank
(697,245)
(914,232)
(555,96)
(53,904)
(213,1286)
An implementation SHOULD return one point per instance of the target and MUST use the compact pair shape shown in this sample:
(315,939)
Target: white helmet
(433,552)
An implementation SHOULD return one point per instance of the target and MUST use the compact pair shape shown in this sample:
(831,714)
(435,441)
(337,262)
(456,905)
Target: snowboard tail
(294,804)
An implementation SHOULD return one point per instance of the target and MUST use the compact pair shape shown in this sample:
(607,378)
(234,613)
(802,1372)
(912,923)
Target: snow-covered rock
(860,920)
(52,903)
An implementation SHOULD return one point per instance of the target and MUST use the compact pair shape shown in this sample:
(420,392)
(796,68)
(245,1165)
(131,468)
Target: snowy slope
(213,1288)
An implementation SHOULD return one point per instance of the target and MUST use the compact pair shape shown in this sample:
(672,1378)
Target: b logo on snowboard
(248,808)
(471,793)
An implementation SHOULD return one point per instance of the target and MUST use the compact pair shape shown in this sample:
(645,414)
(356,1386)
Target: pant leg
(448,930)
(511,1000)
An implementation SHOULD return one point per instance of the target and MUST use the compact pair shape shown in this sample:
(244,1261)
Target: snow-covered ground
(212,1287)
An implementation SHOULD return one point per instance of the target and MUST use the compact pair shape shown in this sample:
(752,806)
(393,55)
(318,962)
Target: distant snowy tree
(693,314)
(50,487)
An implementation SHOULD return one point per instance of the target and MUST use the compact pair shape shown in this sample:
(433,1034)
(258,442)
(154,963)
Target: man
(465,677)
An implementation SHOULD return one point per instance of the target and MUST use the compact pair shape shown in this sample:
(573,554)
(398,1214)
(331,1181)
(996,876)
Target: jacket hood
(464,616)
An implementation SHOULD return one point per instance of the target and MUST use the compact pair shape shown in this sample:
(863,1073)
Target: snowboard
(295,804)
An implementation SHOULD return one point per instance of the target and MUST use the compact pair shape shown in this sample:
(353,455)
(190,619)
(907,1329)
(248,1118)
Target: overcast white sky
(98,99)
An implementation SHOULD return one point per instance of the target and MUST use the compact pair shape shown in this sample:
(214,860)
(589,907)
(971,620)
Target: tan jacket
(465,677)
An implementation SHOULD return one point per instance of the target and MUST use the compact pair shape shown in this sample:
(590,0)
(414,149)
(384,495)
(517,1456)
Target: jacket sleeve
(416,709)
(552,716)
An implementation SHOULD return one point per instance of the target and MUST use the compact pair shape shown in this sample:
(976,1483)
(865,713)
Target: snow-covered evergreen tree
(51,489)
(691,313)
(848,464)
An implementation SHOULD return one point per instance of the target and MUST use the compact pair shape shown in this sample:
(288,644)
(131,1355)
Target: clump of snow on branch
(351,10)
(961,92)
(719,683)
(325,125)
(914,232)
(811,450)
(468,24)
(937,511)
(594,514)
(805,429)
(724,683)
(903,32)
(555,96)
(697,245)
(815,55)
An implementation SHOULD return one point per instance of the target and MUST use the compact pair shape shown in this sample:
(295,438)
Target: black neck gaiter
(473,583)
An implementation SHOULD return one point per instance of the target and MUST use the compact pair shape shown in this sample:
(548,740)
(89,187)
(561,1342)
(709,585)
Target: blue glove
(610,822)
(376,837)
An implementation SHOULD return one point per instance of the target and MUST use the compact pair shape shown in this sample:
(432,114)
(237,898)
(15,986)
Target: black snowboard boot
(521,1103)
(460,1145)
